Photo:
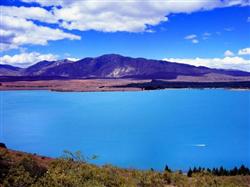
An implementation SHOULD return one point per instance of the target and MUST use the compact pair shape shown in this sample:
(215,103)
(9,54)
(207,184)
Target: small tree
(209,170)
(195,170)
(234,171)
(243,170)
(77,156)
(168,169)
(190,172)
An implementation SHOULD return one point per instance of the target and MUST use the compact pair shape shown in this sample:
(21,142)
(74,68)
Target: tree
(195,170)
(190,172)
(215,171)
(168,169)
(2,145)
(234,171)
(209,170)
(243,170)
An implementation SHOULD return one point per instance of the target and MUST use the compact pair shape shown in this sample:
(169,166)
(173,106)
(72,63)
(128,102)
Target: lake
(148,129)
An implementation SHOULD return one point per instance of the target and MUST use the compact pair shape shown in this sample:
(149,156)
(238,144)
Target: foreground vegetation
(19,169)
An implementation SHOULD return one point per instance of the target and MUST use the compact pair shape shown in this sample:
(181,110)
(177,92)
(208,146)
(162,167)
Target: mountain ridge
(115,66)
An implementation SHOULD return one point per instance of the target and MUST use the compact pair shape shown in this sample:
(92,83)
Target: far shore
(77,85)
(106,85)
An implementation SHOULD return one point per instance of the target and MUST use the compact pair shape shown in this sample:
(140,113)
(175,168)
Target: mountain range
(115,66)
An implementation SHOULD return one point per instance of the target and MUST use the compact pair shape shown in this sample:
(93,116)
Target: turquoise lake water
(180,128)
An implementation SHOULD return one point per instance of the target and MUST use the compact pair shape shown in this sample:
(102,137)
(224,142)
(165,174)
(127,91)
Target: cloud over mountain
(25,59)
(234,62)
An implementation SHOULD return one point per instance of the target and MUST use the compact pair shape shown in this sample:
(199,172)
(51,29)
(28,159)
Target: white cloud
(35,13)
(245,51)
(199,145)
(48,2)
(19,28)
(7,46)
(228,53)
(130,16)
(190,37)
(174,4)
(248,19)
(73,59)
(223,63)
(195,41)
(17,31)
(24,59)
(110,16)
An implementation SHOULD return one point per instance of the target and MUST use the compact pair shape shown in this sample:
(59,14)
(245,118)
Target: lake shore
(101,85)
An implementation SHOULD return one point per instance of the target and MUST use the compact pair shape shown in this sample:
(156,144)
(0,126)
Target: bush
(18,177)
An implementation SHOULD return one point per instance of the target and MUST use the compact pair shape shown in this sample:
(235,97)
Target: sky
(213,33)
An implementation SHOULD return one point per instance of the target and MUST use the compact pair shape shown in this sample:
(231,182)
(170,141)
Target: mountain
(117,66)
(7,70)
(42,66)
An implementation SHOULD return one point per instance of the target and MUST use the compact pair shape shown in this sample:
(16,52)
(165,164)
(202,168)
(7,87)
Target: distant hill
(7,70)
(115,66)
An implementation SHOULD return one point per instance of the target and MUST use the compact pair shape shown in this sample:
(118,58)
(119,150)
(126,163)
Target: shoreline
(120,85)
(124,90)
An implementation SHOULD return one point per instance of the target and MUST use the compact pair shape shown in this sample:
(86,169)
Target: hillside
(23,169)
(7,70)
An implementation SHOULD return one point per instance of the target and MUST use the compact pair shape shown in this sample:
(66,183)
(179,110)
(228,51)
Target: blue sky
(214,33)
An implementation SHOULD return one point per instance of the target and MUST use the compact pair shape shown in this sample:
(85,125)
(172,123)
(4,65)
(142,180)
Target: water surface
(181,128)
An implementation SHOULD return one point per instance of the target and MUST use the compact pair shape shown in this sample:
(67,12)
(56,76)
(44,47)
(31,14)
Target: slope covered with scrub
(18,169)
